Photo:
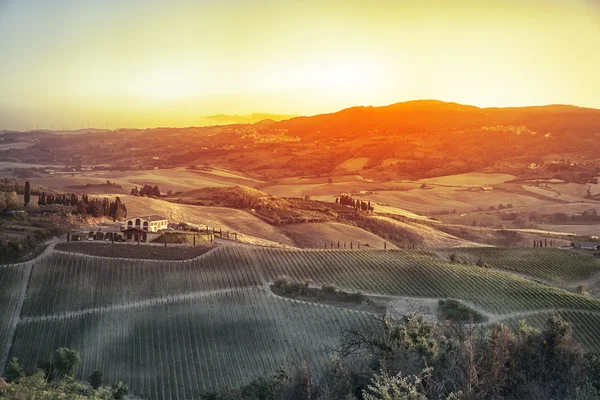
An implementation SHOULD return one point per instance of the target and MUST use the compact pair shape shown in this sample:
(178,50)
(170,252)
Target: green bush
(456,311)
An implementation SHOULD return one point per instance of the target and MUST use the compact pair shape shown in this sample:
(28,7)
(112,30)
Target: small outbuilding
(594,246)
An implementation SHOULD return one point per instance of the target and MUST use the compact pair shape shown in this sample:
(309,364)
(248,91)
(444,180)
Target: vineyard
(554,265)
(419,274)
(179,348)
(11,281)
(173,329)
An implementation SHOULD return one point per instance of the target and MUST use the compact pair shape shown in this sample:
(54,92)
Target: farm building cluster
(146,229)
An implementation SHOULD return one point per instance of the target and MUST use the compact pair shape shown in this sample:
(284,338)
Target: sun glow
(166,82)
(176,61)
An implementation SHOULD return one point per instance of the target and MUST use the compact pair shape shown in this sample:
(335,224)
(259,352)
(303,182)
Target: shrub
(456,311)
(282,280)
(96,379)
(328,289)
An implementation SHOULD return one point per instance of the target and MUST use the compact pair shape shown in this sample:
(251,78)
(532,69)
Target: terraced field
(175,329)
(556,265)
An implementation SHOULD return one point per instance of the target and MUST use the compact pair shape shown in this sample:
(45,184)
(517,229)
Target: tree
(385,387)
(37,387)
(13,370)
(8,200)
(27,195)
(65,360)
(119,390)
(96,379)
(42,199)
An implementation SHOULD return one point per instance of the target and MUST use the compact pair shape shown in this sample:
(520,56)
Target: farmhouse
(586,245)
(150,223)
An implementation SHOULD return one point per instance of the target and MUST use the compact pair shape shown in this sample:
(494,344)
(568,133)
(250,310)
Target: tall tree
(27,194)
(42,199)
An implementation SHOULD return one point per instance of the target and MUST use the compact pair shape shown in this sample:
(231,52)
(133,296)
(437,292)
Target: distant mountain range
(226,119)
(433,115)
(410,140)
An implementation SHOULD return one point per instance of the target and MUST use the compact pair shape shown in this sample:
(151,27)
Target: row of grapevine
(545,263)
(11,282)
(65,282)
(417,274)
(178,350)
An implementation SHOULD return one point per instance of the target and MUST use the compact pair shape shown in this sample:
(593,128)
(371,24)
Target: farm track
(129,306)
(71,253)
(174,299)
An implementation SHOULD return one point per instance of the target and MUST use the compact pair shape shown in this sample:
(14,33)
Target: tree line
(93,207)
(54,380)
(147,190)
(12,185)
(347,200)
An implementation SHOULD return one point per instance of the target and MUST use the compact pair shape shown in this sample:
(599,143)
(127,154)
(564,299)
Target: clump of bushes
(482,264)
(285,286)
(456,311)
(455,258)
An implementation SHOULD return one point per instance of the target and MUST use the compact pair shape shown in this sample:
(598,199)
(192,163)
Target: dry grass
(429,236)
(352,164)
(174,179)
(228,219)
(470,179)
(315,235)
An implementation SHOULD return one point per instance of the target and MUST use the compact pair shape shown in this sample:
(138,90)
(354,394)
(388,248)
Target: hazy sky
(148,63)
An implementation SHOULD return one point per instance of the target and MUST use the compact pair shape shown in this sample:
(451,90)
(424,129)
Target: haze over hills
(412,140)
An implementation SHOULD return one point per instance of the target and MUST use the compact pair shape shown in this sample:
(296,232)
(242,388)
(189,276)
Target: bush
(282,280)
(328,289)
(457,312)
(96,379)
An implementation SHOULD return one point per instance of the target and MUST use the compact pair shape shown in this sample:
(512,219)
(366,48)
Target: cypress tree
(27,195)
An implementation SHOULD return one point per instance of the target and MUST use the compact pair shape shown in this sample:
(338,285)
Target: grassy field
(315,235)
(173,329)
(554,265)
(253,229)
(470,179)
(175,179)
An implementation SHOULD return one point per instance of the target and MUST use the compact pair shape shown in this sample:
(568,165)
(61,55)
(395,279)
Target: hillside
(173,330)
(411,140)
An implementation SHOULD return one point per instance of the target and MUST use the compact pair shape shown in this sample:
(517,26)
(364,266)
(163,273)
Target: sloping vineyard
(11,281)
(67,282)
(175,329)
(176,350)
(418,274)
(545,263)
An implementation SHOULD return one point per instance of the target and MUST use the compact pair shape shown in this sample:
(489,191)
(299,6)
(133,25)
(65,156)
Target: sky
(148,63)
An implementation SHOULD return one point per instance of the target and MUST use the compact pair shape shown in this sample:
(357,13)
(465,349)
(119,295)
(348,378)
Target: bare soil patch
(144,252)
